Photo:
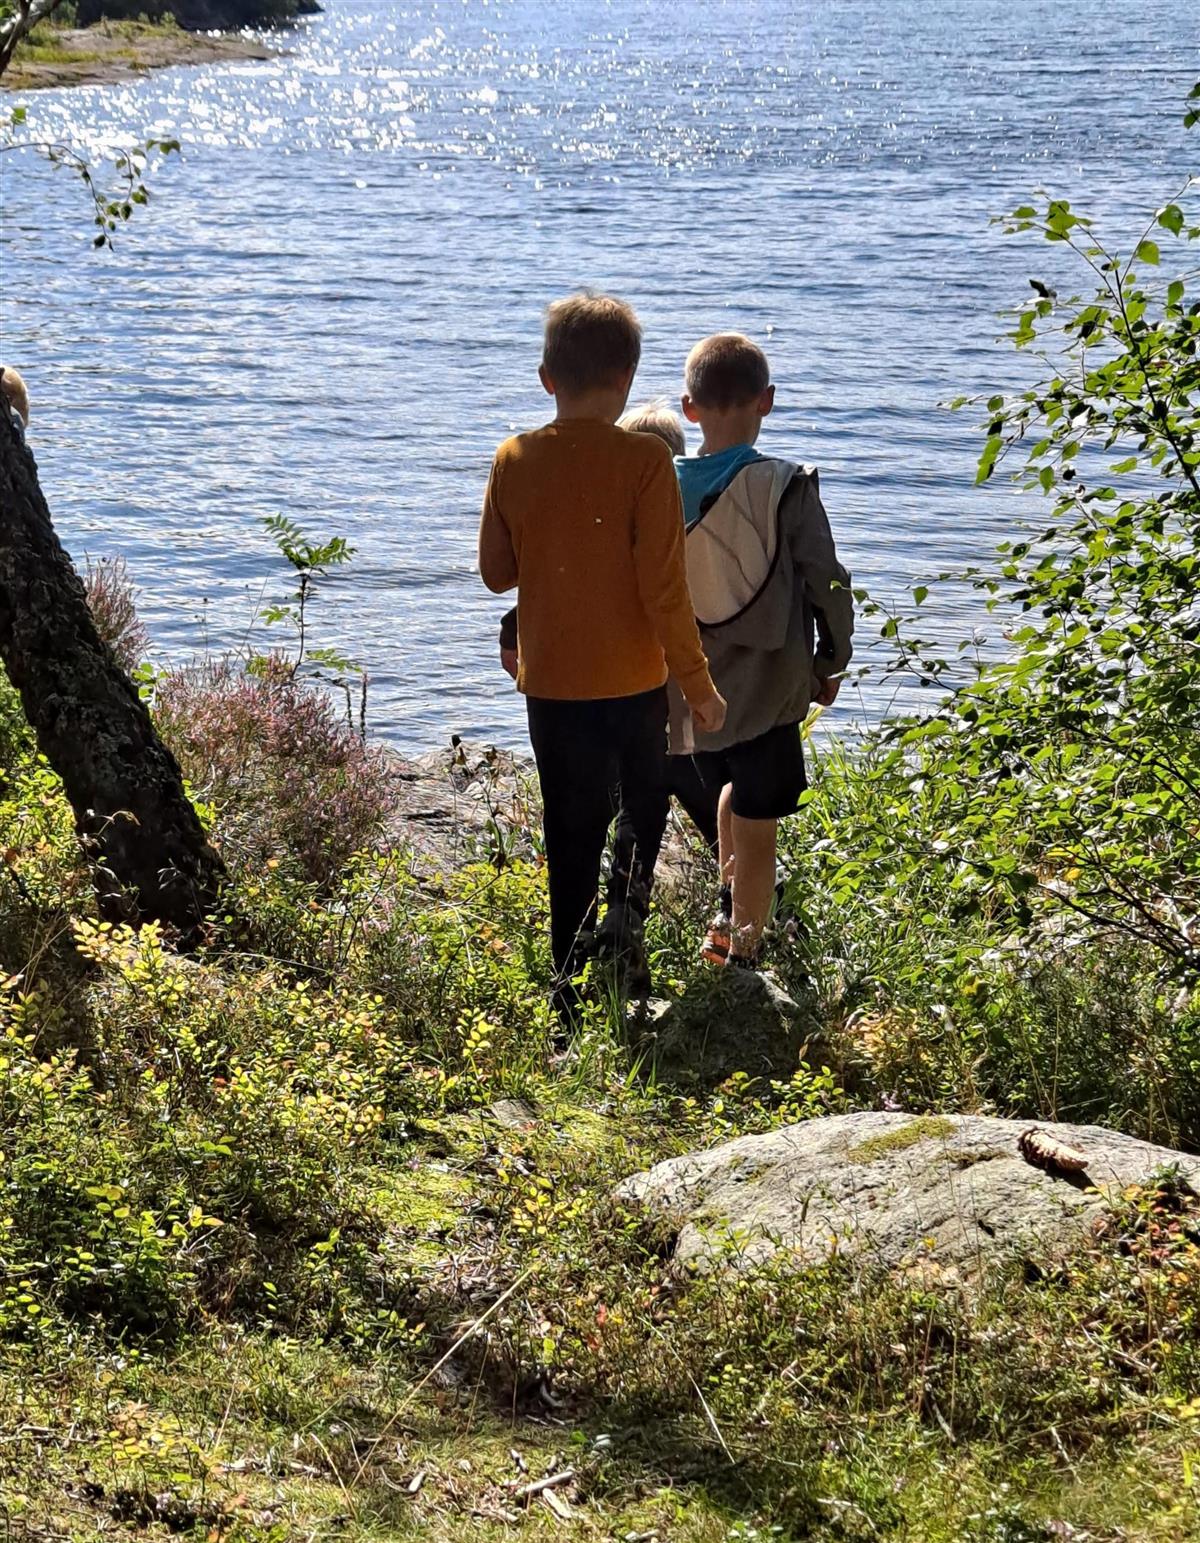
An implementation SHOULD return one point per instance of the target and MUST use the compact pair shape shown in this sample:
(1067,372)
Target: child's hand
(709,715)
(825,691)
(508,658)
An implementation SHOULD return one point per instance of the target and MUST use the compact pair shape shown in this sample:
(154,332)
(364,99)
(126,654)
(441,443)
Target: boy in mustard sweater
(587,521)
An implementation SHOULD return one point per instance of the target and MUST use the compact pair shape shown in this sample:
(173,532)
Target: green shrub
(1001,895)
(1069,771)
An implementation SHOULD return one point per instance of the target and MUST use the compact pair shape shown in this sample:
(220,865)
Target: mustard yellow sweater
(586,520)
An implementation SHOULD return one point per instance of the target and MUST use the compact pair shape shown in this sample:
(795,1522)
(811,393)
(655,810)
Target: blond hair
(15,392)
(656,417)
(591,341)
(726,370)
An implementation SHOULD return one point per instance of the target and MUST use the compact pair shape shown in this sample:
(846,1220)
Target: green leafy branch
(311,560)
(112,206)
(1066,775)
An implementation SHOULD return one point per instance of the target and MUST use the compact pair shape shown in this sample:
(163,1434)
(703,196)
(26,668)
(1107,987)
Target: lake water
(331,308)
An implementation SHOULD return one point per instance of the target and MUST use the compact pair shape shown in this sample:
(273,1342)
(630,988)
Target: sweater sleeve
(826,583)
(497,557)
(661,568)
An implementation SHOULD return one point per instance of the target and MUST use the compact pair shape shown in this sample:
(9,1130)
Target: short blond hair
(726,370)
(591,341)
(656,417)
(14,391)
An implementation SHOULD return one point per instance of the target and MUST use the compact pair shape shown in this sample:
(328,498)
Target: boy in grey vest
(776,617)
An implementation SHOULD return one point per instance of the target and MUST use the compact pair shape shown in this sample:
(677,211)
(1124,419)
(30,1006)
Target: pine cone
(1043,1151)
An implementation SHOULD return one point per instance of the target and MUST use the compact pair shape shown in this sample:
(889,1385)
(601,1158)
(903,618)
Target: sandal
(717,940)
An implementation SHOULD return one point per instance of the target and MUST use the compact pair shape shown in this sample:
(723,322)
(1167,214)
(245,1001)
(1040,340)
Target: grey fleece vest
(772,600)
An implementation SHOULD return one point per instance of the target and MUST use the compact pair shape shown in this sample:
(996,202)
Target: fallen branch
(1043,1151)
(549,1482)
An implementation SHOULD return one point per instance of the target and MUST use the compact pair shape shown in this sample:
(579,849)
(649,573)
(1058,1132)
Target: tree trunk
(151,857)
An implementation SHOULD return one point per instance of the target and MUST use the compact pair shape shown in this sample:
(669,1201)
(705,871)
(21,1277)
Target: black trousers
(699,801)
(583,750)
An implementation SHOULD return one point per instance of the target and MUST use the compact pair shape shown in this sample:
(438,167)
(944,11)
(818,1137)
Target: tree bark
(25,17)
(150,854)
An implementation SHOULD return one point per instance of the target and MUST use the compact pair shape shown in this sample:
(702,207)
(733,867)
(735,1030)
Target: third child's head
(727,390)
(14,392)
(590,355)
(656,418)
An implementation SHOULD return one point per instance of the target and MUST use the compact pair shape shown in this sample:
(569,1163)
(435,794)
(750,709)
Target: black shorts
(767,773)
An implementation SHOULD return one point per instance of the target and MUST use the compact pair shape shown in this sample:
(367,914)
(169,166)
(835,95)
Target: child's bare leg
(715,948)
(754,887)
(725,834)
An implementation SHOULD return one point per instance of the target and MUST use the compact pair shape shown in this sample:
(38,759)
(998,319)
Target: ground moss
(421,1206)
(369,1226)
(202,1443)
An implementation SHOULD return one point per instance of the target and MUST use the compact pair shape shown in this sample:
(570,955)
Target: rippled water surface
(331,308)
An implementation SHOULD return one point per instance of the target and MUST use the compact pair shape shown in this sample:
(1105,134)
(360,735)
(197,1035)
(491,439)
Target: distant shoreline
(111,52)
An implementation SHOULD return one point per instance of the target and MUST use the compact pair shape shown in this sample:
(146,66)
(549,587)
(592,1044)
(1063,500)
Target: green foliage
(113,205)
(212,1158)
(311,560)
(269,1248)
(1002,894)
(941,1004)
(1192,116)
(283,1160)
(308,558)
(1069,771)
(40,863)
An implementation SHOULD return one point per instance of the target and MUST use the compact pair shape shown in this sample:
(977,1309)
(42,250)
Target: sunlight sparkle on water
(331,307)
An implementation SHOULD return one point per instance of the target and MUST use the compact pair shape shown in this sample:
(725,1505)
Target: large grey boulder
(945,1193)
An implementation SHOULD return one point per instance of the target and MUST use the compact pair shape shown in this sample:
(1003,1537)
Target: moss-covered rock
(948,1194)
(727,1021)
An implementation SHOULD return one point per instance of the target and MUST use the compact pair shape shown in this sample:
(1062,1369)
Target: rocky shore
(117,51)
(471,801)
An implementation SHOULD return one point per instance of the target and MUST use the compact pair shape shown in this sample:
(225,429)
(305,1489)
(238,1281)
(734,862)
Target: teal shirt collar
(703,478)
